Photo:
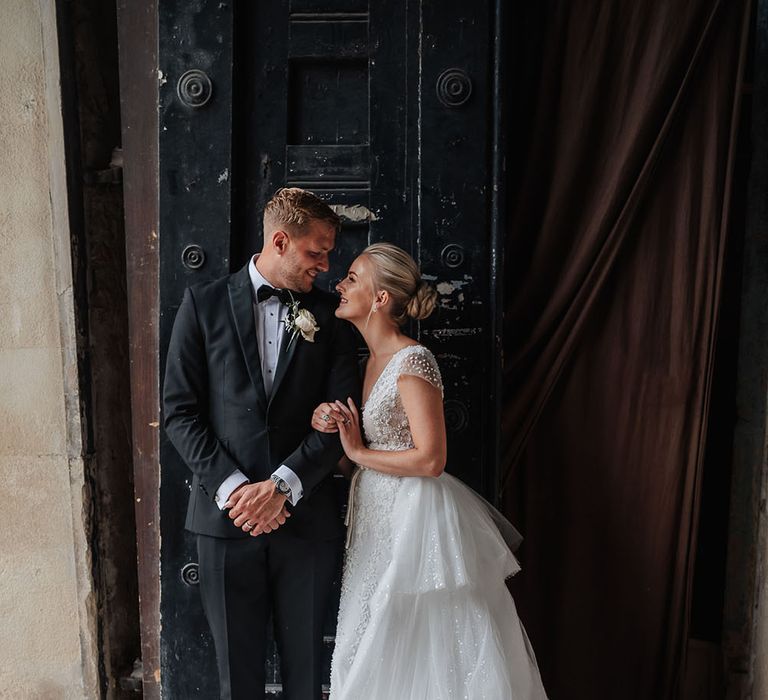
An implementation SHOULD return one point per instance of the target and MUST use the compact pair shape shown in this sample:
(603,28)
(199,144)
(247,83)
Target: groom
(250,357)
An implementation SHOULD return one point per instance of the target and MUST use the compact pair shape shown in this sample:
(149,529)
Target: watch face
(282,487)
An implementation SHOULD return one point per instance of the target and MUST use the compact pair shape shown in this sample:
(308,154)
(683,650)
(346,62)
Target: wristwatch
(281,486)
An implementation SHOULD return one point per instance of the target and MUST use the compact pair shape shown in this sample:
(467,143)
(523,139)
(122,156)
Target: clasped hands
(343,419)
(257,508)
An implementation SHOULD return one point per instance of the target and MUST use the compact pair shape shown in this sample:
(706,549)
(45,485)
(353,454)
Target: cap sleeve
(420,362)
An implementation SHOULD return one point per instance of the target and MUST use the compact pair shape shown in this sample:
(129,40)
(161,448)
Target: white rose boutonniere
(306,324)
(300,320)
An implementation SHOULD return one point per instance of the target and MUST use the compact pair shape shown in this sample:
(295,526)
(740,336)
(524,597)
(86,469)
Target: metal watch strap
(281,485)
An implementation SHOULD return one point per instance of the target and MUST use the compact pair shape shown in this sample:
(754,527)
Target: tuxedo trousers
(243,582)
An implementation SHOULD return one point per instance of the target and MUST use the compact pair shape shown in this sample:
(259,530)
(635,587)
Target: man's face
(306,256)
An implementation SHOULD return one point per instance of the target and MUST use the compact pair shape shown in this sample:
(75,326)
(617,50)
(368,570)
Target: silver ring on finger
(247,526)
(325,417)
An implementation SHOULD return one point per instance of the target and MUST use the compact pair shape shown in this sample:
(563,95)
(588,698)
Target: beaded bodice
(385,424)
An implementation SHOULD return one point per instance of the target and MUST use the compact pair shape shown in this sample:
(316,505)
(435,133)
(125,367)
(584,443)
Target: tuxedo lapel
(287,353)
(241,301)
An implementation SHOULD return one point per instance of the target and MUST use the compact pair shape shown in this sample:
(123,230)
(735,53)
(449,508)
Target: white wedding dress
(425,613)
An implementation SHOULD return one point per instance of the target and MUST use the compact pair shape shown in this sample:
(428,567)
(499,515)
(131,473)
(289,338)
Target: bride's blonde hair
(396,272)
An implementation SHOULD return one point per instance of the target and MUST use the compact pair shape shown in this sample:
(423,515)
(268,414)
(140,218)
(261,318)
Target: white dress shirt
(269,315)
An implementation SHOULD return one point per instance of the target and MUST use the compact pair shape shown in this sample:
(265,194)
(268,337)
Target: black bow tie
(266,292)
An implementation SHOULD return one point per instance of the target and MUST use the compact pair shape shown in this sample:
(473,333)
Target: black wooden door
(388,110)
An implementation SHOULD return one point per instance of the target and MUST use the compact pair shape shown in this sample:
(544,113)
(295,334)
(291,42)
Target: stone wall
(48,645)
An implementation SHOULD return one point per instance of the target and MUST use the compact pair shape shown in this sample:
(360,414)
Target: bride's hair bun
(397,273)
(422,303)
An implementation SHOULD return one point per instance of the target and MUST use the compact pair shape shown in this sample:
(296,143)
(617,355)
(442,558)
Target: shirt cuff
(228,486)
(289,477)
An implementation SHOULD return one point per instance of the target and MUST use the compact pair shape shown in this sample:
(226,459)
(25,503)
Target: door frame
(138,47)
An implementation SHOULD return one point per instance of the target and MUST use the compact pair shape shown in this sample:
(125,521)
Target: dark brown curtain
(621,169)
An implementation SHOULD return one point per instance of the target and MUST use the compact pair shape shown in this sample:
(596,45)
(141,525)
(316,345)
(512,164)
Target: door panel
(385,110)
(195,87)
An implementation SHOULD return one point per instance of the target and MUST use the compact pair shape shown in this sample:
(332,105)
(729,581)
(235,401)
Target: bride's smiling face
(356,290)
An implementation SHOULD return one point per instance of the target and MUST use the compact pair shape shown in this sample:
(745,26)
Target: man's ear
(280,241)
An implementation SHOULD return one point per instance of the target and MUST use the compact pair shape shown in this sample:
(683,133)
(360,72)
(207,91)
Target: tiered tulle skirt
(425,612)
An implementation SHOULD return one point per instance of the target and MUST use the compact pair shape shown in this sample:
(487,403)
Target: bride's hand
(349,430)
(325,418)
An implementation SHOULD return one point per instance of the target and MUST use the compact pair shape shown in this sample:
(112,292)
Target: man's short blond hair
(295,208)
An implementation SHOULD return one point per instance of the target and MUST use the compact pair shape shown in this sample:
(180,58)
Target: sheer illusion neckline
(386,367)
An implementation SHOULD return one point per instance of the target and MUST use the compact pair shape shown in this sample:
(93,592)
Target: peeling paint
(449,357)
(453,332)
(224,175)
(161,79)
(355,213)
(451,286)
(451,296)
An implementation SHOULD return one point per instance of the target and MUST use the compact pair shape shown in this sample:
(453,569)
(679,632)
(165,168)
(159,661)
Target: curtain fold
(613,265)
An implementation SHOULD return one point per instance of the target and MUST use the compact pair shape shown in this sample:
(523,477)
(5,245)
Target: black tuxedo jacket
(217,414)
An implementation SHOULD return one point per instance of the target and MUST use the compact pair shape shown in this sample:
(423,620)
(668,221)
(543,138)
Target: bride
(424,613)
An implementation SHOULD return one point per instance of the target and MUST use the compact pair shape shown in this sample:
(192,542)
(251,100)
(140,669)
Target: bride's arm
(423,404)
